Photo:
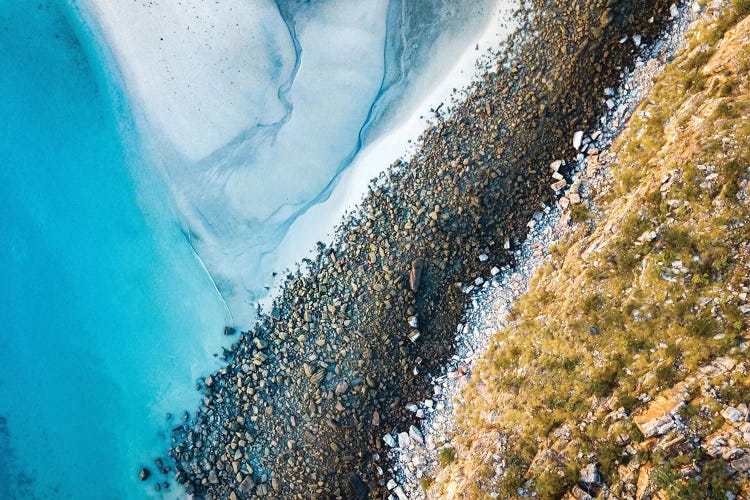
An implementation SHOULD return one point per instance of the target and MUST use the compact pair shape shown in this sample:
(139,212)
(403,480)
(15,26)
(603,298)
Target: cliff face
(624,371)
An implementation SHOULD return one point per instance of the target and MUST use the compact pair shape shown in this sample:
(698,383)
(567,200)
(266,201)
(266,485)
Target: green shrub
(446,456)
(702,327)
(604,382)
(426,482)
(666,376)
(579,213)
(569,364)
(551,485)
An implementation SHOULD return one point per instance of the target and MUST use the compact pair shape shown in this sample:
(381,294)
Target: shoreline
(239,241)
(374,157)
(335,364)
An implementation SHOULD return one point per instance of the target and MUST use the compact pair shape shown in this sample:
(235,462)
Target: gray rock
(732,414)
(732,454)
(416,435)
(742,464)
(415,276)
(212,477)
(590,475)
(341,388)
(403,440)
(390,441)
(657,426)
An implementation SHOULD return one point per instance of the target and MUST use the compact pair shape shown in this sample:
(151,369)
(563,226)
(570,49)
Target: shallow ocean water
(107,316)
(253,109)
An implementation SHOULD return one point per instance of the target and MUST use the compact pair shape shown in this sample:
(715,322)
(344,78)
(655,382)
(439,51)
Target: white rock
(637,40)
(403,440)
(484,257)
(388,439)
(400,493)
(416,435)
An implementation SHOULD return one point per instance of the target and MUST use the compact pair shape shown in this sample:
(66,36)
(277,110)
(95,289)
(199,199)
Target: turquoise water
(106,316)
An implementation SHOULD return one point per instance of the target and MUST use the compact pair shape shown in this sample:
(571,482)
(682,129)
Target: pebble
(577,139)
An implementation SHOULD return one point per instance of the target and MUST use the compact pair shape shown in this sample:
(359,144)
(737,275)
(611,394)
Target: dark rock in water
(213,478)
(228,330)
(246,487)
(144,474)
(415,276)
(358,488)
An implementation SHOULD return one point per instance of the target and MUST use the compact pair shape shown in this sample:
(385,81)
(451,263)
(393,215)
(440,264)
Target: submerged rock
(415,275)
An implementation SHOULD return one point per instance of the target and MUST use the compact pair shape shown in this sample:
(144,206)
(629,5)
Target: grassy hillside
(649,287)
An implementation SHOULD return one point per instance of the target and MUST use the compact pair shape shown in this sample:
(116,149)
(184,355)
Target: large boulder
(415,276)
(591,475)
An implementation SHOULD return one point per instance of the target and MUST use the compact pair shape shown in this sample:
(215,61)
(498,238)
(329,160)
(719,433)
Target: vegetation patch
(646,292)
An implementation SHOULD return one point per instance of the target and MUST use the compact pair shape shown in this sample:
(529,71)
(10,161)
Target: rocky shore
(420,464)
(308,393)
